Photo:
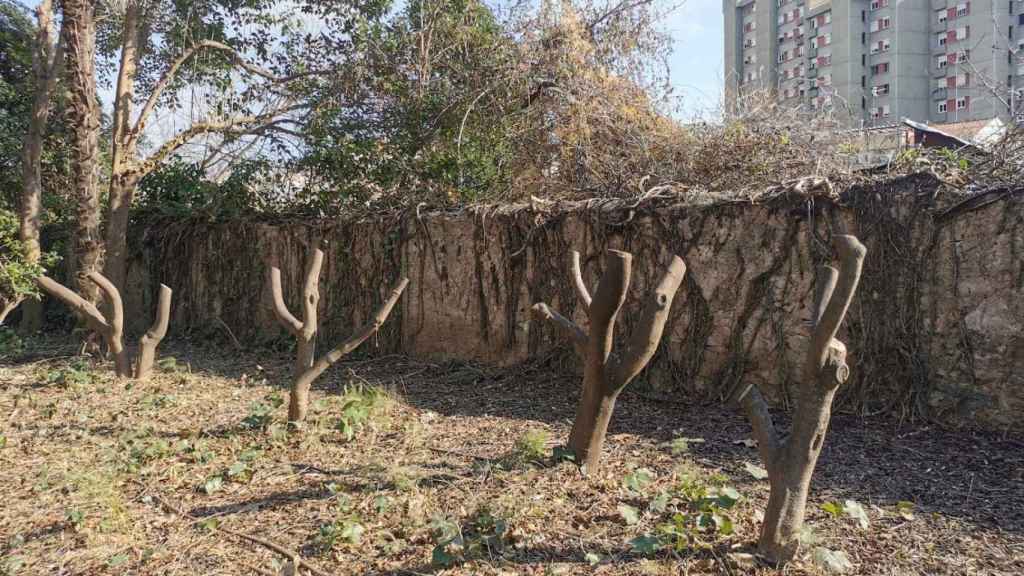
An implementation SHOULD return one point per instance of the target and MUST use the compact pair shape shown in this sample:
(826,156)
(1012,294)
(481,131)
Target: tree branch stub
(149,341)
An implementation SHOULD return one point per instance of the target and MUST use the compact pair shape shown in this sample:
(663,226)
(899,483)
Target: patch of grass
(97,503)
(529,448)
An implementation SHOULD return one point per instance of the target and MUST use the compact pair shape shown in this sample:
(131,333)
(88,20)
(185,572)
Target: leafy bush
(17,276)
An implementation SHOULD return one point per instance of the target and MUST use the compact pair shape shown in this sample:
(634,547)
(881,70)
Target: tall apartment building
(874,62)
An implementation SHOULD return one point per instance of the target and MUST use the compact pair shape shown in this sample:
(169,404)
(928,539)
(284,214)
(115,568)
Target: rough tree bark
(298,403)
(605,374)
(46,55)
(123,180)
(790,461)
(305,330)
(112,329)
(79,36)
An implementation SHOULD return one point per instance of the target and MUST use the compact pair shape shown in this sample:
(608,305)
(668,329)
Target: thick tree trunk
(122,193)
(46,55)
(80,50)
(605,376)
(791,477)
(122,181)
(593,428)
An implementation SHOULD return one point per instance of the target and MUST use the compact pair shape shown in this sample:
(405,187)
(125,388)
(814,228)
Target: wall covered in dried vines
(936,330)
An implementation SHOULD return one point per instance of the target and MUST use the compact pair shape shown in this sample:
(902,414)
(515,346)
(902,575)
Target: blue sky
(697,62)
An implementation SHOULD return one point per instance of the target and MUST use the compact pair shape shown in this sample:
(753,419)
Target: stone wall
(936,330)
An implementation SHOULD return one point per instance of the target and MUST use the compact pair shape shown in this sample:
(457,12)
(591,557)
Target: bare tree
(47,53)
(306,370)
(606,374)
(112,329)
(790,461)
(79,36)
(128,167)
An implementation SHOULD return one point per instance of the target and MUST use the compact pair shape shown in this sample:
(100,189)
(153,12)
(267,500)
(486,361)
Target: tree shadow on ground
(974,475)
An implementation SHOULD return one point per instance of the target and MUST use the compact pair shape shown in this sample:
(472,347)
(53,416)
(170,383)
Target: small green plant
(171,364)
(141,447)
(74,376)
(529,448)
(346,527)
(833,509)
(637,480)
(680,446)
(261,414)
(212,484)
(484,534)
(698,514)
(360,406)
(346,530)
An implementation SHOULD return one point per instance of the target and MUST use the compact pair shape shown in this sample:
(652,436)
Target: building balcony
(812,72)
(939,94)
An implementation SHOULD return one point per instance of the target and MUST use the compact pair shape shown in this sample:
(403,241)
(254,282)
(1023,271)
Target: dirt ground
(194,473)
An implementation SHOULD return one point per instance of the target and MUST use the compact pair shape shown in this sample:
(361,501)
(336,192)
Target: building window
(880,90)
(942,61)
(963,32)
(942,107)
(942,39)
(877,4)
(881,24)
(963,103)
(880,46)
(941,15)
(963,9)
(880,68)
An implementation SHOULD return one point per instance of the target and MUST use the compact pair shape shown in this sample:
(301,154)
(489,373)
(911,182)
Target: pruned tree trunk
(790,462)
(150,340)
(47,53)
(112,329)
(79,35)
(298,404)
(605,375)
(305,330)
